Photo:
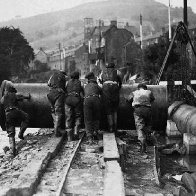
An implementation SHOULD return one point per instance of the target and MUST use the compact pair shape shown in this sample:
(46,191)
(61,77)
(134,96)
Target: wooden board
(113,180)
(110,147)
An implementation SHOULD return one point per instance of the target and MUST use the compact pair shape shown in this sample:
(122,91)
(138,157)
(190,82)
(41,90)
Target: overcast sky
(23,8)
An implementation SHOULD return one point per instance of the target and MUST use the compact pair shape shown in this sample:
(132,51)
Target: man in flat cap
(73,105)
(111,87)
(92,107)
(142,100)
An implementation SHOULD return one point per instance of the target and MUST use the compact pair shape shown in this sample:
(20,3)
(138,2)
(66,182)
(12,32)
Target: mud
(139,176)
(11,168)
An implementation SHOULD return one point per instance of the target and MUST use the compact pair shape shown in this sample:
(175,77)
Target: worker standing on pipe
(142,99)
(73,105)
(92,107)
(56,97)
(111,87)
(14,115)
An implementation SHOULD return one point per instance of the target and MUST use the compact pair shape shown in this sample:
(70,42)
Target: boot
(76,132)
(69,135)
(22,130)
(143,146)
(12,146)
(115,123)
(57,126)
(90,139)
(110,123)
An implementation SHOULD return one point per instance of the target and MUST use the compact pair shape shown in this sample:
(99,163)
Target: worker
(56,97)
(92,107)
(14,115)
(142,99)
(73,105)
(112,82)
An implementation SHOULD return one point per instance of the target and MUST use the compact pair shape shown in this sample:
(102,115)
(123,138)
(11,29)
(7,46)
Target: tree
(41,67)
(15,53)
(154,56)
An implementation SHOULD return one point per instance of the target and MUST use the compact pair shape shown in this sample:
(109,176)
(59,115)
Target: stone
(26,148)
(31,142)
(6,149)
(188,182)
(101,163)
(172,130)
(189,141)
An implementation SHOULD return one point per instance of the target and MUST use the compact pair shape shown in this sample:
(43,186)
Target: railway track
(70,169)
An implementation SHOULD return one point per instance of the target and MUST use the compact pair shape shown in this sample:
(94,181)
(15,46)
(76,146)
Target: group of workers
(70,101)
(70,96)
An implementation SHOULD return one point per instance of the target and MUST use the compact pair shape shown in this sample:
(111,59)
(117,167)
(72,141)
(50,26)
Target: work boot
(90,140)
(76,132)
(110,123)
(143,146)
(12,146)
(69,135)
(22,130)
(57,125)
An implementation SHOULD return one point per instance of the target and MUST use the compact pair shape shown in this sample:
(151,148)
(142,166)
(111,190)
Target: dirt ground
(139,175)
(10,169)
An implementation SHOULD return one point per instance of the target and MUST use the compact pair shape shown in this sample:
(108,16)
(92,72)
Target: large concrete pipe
(184,116)
(39,109)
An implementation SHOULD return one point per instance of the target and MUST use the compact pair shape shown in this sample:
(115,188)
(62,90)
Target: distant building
(149,39)
(40,56)
(57,58)
(107,42)
(82,59)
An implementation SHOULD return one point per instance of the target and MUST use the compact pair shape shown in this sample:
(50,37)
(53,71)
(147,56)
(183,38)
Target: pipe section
(38,106)
(184,116)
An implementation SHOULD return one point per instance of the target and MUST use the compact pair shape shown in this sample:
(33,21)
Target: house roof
(149,37)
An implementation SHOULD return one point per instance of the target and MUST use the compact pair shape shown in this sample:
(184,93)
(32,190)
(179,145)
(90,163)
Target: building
(40,56)
(57,58)
(149,39)
(81,57)
(107,42)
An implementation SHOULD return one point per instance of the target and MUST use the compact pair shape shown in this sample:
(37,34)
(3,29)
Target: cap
(110,65)
(75,75)
(90,76)
(9,87)
(63,72)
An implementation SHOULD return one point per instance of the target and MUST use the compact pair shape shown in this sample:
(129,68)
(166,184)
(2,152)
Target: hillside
(66,26)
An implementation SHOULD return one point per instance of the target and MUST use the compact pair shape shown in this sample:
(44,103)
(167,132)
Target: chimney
(113,23)
(127,24)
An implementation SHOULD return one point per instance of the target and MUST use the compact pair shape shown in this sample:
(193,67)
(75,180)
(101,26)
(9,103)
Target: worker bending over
(73,105)
(142,99)
(92,107)
(111,87)
(14,115)
(56,97)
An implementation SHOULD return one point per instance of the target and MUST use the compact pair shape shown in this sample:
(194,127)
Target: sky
(10,9)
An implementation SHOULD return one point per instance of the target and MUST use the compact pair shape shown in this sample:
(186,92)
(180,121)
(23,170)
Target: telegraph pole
(185,13)
(141,32)
(169,18)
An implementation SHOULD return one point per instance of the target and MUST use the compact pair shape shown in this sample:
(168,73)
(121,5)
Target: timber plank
(110,147)
(113,180)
